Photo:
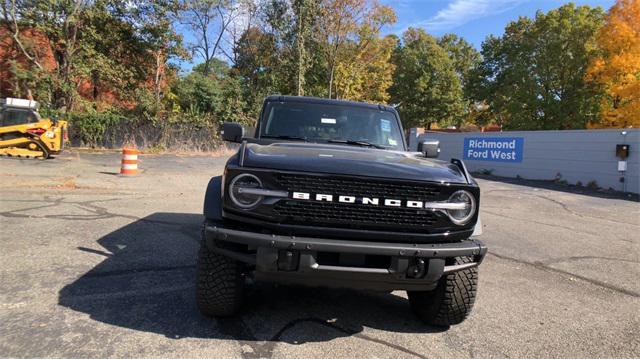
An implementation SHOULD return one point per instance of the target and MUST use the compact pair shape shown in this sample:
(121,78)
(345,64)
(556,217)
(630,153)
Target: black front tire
(220,284)
(452,300)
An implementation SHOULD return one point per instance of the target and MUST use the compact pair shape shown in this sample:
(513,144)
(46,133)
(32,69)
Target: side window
(389,132)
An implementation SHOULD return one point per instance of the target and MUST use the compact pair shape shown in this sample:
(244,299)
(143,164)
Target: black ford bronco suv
(326,194)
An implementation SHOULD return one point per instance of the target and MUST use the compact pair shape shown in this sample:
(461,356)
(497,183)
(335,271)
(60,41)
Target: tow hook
(417,270)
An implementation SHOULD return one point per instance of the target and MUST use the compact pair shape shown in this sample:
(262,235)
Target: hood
(350,160)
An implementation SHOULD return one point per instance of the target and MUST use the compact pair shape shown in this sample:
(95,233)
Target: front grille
(355,215)
(357,187)
(352,215)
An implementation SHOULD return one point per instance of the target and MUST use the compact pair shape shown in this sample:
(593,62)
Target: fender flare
(213,199)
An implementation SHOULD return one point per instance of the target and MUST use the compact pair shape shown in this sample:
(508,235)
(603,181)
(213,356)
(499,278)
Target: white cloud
(460,12)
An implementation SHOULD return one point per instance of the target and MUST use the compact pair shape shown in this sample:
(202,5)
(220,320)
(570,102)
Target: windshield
(13,117)
(332,123)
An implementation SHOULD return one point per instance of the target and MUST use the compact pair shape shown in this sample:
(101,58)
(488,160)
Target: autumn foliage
(617,70)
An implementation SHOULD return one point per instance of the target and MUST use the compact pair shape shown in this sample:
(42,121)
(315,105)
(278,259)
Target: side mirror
(232,131)
(430,148)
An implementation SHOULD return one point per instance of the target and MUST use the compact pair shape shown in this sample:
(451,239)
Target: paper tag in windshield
(331,121)
(393,142)
(385,125)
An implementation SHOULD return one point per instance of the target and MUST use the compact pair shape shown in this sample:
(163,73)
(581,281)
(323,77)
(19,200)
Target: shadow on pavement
(146,283)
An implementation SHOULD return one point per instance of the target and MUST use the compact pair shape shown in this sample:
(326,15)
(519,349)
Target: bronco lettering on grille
(389,202)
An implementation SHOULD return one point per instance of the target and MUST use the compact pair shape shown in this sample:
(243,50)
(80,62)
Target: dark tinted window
(320,122)
(12,117)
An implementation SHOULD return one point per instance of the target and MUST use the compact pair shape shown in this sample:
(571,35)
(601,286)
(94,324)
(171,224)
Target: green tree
(465,58)
(232,105)
(198,93)
(533,76)
(210,100)
(304,11)
(425,83)
(258,64)
(277,54)
(217,68)
(154,21)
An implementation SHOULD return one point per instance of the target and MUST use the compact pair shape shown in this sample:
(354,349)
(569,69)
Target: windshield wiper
(286,137)
(359,143)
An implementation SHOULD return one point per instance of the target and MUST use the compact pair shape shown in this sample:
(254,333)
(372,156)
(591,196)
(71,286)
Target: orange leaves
(617,69)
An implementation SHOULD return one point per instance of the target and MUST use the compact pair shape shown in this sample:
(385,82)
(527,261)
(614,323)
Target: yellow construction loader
(23,133)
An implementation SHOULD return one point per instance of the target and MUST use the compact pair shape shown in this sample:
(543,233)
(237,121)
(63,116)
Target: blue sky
(473,20)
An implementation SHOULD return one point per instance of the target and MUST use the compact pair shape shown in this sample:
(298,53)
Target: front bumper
(297,260)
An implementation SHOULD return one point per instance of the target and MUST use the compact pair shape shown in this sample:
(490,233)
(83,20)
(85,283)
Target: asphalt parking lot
(93,265)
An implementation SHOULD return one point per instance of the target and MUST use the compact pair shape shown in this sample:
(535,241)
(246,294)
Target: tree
(339,22)
(364,71)
(294,49)
(217,69)
(247,16)
(198,93)
(257,63)
(89,50)
(617,68)
(304,11)
(535,72)
(154,22)
(368,73)
(465,58)
(425,84)
(61,24)
(275,55)
(209,20)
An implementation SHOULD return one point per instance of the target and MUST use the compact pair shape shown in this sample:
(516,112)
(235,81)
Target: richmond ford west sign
(502,149)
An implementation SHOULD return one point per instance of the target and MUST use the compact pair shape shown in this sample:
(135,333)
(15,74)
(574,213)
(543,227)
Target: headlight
(238,190)
(467,208)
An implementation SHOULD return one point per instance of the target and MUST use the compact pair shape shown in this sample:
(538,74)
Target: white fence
(573,155)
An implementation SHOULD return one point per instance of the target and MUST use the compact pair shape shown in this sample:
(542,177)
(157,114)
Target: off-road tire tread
(452,300)
(220,284)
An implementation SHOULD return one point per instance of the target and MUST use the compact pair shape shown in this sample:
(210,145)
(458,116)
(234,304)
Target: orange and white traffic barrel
(129,161)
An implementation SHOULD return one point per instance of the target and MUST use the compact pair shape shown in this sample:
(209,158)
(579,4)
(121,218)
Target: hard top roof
(325,101)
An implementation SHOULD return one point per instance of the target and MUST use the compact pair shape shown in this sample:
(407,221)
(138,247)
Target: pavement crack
(577,258)
(95,212)
(564,206)
(264,349)
(239,331)
(542,266)
(338,328)
(559,203)
(537,222)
